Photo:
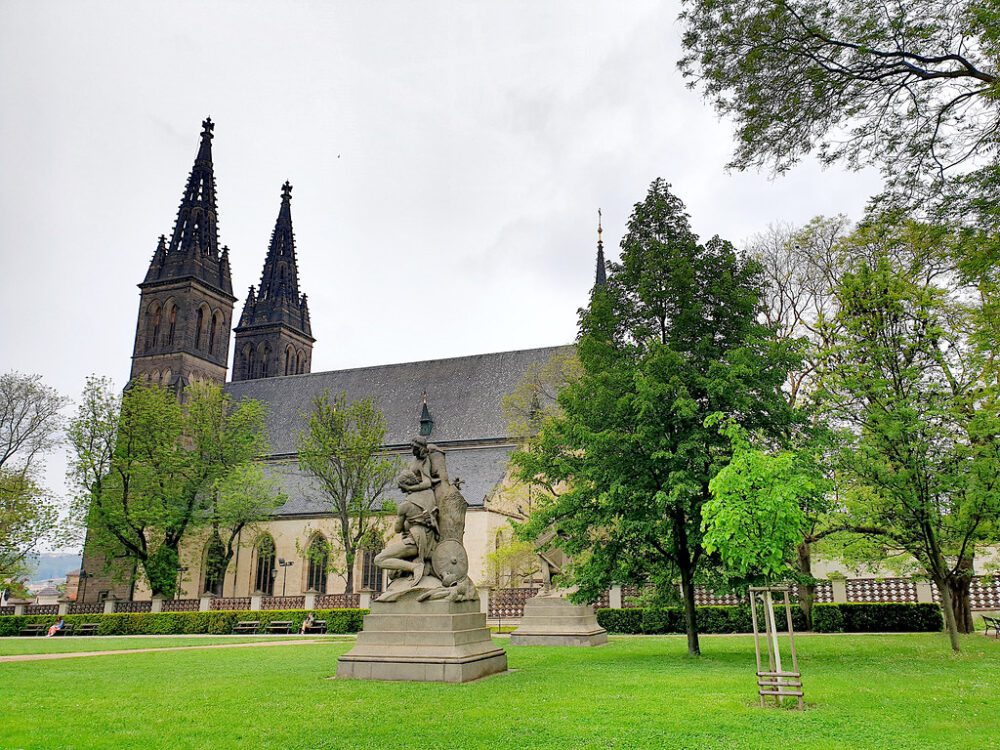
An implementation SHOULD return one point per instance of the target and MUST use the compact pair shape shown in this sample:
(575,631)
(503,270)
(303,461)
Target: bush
(827,618)
(219,622)
(878,618)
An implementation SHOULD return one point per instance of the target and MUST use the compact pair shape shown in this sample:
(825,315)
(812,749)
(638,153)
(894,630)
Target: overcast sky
(448,160)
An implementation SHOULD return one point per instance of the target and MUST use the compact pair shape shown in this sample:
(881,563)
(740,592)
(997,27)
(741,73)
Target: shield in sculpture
(450,560)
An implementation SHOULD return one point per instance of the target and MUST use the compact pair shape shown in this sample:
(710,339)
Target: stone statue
(431,519)
(551,561)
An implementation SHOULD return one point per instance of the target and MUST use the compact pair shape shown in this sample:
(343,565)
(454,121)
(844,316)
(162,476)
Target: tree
(918,407)
(672,338)
(30,420)
(764,507)
(342,448)
(910,86)
(150,468)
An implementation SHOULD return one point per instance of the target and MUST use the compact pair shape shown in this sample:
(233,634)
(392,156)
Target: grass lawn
(896,691)
(62,645)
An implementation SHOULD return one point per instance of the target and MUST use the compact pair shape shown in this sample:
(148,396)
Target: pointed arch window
(154,336)
(250,352)
(288,362)
(265,357)
(173,325)
(317,559)
(264,581)
(371,574)
(197,330)
(216,326)
(214,566)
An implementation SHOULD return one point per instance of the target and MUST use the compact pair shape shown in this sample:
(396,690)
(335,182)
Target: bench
(34,628)
(86,628)
(992,623)
(247,626)
(280,626)
(318,626)
(67,629)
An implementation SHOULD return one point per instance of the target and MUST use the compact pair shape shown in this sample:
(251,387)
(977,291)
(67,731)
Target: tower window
(265,566)
(154,338)
(197,332)
(173,326)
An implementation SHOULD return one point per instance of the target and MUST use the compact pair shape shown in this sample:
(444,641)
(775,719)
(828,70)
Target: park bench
(280,626)
(35,628)
(992,623)
(86,628)
(67,629)
(318,626)
(247,626)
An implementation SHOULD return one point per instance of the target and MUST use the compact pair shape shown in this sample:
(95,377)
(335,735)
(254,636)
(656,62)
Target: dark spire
(277,299)
(600,278)
(426,422)
(193,250)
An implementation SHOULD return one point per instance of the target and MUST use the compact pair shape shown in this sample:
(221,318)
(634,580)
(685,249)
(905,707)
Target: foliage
(760,508)
(511,561)
(536,396)
(917,403)
(910,86)
(216,622)
(662,620)
(29,422)
(149,469)
(341,448)
(672,338)
(878,618)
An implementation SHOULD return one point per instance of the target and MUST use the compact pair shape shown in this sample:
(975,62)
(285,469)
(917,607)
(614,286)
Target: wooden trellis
(774,681)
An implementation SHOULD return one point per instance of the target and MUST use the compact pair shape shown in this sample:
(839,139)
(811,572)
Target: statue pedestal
(429,641)
(554,621)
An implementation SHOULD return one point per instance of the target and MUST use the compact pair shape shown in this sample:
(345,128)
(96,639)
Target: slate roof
(464,397)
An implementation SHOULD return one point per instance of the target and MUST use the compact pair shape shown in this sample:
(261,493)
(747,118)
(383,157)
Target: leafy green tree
(148,467)
(918,407)
(30,420)
(910,86)
(342,448)
(672,338)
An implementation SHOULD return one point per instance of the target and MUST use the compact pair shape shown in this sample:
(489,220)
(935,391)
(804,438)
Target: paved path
(75,654)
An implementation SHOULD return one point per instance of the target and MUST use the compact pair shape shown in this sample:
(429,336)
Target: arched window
(317,559)
(214,566)
(154,332)
(300,362)
(212,335)
(289,361)
(371,574)
(198,327)
(250,362)
(265,357)
(172,320)
(264,581)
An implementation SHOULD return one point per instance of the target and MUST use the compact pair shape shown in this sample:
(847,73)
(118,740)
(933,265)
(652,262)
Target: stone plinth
(429,641)
(555,621)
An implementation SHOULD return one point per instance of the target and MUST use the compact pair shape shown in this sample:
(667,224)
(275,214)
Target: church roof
(464,396)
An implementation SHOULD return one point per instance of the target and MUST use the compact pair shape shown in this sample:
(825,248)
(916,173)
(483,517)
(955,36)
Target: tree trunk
(960,584)
(690,613)
(807,591)
(949,612)
(350,575)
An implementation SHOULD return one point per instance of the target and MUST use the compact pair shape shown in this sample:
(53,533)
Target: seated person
(56,627)
(307,623)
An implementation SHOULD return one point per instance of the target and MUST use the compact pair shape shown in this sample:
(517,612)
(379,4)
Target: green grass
(61,645)
(905,692)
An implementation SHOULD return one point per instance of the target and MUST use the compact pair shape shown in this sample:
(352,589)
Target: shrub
(217,622)
(627,621)
(878,618)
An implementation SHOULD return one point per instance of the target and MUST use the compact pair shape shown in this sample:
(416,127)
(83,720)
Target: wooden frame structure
(774,681)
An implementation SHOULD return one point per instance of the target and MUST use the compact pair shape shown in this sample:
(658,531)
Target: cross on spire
(286,191)
(600,277)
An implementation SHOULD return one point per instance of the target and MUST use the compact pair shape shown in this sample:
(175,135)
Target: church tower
(186,302)
(274,336)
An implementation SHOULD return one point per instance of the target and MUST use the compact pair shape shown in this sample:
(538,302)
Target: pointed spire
(159,259)
(193,248)
(600,277)
(246,318)
(277,299)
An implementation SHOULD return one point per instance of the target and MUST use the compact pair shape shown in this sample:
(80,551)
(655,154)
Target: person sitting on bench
(56,627)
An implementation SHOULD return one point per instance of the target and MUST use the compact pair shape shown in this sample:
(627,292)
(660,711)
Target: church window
(264,582)
(371,574)
(265,360)
(289,362)
(213,565)
(197,330)
(155,333)
(250,362)
(173,325)
(216,326)
(317,557)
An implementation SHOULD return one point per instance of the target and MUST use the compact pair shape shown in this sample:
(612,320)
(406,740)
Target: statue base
(429,641)
(555,621)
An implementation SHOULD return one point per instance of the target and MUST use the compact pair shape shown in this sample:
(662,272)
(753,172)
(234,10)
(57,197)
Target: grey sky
(447,158)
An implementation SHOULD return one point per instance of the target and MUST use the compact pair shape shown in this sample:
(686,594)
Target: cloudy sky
(448,160)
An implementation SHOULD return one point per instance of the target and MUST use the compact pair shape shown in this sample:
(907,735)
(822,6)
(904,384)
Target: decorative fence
(6,611)
(232,603)
(180,605)
(824,592)
(338,601)
(42,609)
(509,603)
(881,590)
(79,608)
(985,593)
(282,602)
(133,606)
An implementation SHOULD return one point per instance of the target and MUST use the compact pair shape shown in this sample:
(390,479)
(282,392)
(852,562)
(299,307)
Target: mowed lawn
(59,645)
(884,691)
